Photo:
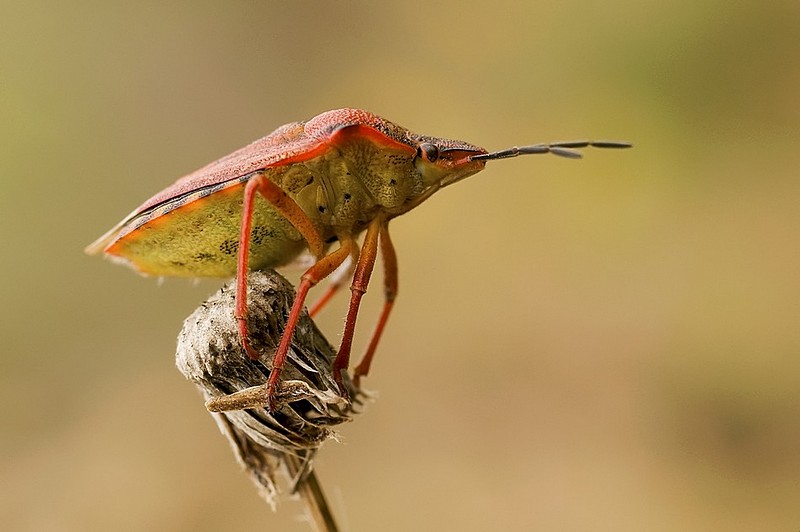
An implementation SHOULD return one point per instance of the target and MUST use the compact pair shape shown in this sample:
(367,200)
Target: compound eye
(428,151)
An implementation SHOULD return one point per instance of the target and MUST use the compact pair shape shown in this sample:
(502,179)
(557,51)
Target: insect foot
(307,403)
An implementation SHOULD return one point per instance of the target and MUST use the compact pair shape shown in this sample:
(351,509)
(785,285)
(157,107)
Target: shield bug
(311,187)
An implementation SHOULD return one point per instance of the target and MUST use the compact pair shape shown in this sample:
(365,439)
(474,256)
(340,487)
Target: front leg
(321,269)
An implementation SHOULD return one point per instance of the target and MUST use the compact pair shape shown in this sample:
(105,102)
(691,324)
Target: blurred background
(605,344)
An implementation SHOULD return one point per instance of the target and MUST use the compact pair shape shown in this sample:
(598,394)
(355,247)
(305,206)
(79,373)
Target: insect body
(312,187)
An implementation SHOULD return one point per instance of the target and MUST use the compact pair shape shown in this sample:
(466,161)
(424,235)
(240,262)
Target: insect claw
(272,405)
(272,402)
(337,376)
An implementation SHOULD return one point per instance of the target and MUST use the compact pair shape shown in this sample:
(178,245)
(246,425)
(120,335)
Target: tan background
(609,344)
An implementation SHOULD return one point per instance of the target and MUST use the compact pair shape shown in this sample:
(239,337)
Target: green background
(605,344)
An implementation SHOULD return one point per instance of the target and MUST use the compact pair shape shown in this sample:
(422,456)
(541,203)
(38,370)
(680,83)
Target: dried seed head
(210,355)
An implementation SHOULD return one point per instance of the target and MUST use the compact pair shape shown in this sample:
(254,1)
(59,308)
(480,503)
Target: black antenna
(562,149)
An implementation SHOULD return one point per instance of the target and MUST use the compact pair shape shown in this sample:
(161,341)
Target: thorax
(341,192)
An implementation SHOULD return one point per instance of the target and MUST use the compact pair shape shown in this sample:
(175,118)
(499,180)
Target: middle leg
(390,293)
(364,267)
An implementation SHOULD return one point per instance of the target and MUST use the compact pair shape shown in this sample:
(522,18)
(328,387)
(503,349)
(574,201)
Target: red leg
(324,267)
(390,290)
(366,262)
(292,211)
(338,279)
(242,267)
